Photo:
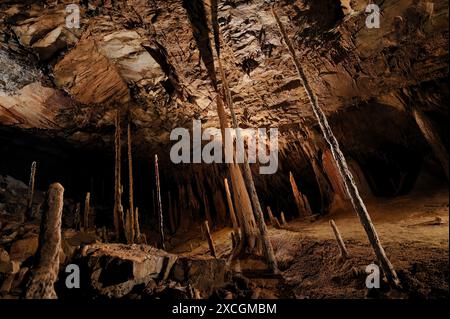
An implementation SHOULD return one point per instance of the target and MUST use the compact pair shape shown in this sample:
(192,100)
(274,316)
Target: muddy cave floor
(413,229)
(309,261)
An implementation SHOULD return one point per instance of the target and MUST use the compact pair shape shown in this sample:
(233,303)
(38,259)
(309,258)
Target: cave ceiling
(141,57)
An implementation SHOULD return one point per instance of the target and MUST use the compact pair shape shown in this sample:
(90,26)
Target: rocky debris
(117,270)
(202,273)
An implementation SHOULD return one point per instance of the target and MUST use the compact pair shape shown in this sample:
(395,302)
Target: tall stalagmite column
(87,209)
(118,208)
(132,227)
(158,200)
(45,272)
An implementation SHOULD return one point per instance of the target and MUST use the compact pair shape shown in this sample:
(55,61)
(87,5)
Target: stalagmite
(269,212)
(324,186)
(158,197)
(118,208)
(433,139)
(346,175)
(130,180)
(77,218)
(340,241)
(104,234)
(30,195)
(137,228)
(87,208)
(273,220)
(230,206)
(283,219)
(250,185)
(212,248)
(45,272)
(304,210)
(128,229)
(206,206)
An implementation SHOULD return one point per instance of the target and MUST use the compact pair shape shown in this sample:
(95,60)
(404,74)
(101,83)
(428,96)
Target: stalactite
(87,209)
(30,195)
(346,175)
(130,180)
(118,208)
(160,212)
(433,140)
(45,272)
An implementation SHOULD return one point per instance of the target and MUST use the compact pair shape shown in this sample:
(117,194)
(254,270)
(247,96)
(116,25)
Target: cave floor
(413,230)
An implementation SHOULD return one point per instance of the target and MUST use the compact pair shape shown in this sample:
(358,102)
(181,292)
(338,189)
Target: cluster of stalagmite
(126,227)
(304,210)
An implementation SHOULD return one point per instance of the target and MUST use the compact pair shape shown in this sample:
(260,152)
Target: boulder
(115,269)
(4,261)
(24,248)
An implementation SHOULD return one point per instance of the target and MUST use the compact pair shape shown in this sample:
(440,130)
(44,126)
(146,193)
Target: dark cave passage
(389,147)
